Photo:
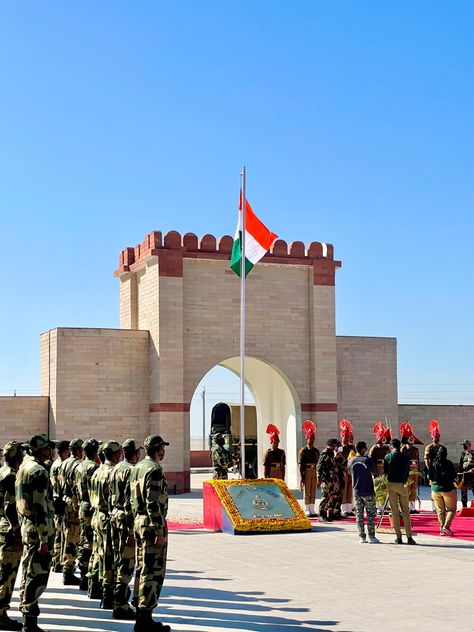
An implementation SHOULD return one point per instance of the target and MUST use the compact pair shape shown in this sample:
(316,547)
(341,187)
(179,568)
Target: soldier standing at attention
(71,528)
(348,452)
(35,512)
(379,451)
(121,521)
(100,500)
(221,459)
(409,448)
(10,536)
(149,497)
(328,479)
(308,460)
(58,504)
(84,474)
(274,461)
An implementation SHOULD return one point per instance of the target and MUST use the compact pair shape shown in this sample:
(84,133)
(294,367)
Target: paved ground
(323,581)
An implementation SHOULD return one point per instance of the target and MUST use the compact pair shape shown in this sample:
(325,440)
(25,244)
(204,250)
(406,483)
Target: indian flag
(258,239)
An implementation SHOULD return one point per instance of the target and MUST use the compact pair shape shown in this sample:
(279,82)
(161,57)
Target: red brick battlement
(173,247)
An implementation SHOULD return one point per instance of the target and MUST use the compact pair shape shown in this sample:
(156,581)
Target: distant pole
(242,331)
(203,395)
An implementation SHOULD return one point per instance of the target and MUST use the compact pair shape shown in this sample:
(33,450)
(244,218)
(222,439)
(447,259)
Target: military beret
(38,442)
(154,441)
(61,446)
(76,443)
(131,443)
(93,443)
(13,448)
(111,445)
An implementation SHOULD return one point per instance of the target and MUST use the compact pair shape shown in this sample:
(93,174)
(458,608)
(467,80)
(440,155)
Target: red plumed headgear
(309,428)
(406,432)
(345,427)
(433,427)
(381,433)
(273,431)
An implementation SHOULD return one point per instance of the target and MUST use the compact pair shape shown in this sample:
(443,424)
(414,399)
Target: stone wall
(367,382)
(456,423)
(98,382)
(22,417)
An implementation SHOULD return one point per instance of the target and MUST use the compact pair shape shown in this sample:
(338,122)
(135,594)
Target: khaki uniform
(274,463)
(377,453)
(414,455)
(308,462)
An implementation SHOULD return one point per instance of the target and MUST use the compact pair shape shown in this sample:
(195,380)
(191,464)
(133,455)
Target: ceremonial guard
(380,449)
(467,470)
(149,498)
(308,461)
(99,496)
(409,448)
(10,536)
(432,448)
(221,458)
(84,474)
(274,461)
(35,512)
(121,522)
(329,481)
(58,504)
(348,452)
(71,527)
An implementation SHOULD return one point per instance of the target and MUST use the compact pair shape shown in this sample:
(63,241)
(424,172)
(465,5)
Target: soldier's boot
(9,624)
(94,590)
(124,614)
(30,624)
(122,609)
(84,585)
(107,601)
(69,579)
(145,623)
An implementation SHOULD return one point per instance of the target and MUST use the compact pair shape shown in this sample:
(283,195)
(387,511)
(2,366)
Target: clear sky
(355,121)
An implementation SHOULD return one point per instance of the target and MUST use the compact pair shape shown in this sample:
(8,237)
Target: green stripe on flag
(236,257)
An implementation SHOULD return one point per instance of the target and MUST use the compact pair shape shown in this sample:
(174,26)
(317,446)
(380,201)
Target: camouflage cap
(38,442)
(13,448)
(132,444)
(154,441)
(93,443)
(111,445)
(61,446)
(332,442)
(76,443)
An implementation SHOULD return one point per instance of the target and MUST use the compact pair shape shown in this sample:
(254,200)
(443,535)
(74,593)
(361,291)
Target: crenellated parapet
(172,247)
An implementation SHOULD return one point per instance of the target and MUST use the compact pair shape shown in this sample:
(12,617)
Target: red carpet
(184,526)
(426,522)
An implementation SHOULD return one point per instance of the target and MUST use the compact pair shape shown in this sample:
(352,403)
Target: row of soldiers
(96,506)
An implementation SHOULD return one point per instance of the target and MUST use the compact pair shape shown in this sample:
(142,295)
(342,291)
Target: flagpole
(242,332)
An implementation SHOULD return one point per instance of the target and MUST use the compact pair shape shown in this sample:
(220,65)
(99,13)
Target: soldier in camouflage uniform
(99,496)
(35,512)
(84,474)
(329,481)
(10,536)
(58,504)
(121,521)
(71,528)
(149,497)
(221,458)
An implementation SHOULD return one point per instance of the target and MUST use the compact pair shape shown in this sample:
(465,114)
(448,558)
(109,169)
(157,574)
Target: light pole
(203,395)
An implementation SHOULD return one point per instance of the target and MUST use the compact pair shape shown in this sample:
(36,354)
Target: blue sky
(354,120)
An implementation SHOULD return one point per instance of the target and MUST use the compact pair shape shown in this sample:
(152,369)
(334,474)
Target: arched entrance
(277,402)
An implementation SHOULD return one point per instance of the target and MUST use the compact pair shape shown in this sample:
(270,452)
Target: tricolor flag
(258,239)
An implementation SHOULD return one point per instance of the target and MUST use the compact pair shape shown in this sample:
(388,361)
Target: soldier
(10,536)
(348,452)
(149,497)
(35,512)
(84,474)
(121,520)
(329,481)
(308,461)
(409,448)
(379,451)
(58,504)
(71,528)
(100,492)
(274,461)
(221,458)
(432,448)
(467,470)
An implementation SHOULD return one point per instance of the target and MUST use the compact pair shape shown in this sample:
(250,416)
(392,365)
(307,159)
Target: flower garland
(298,523)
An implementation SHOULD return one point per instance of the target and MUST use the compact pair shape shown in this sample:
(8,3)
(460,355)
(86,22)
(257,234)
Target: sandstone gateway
(179,317)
